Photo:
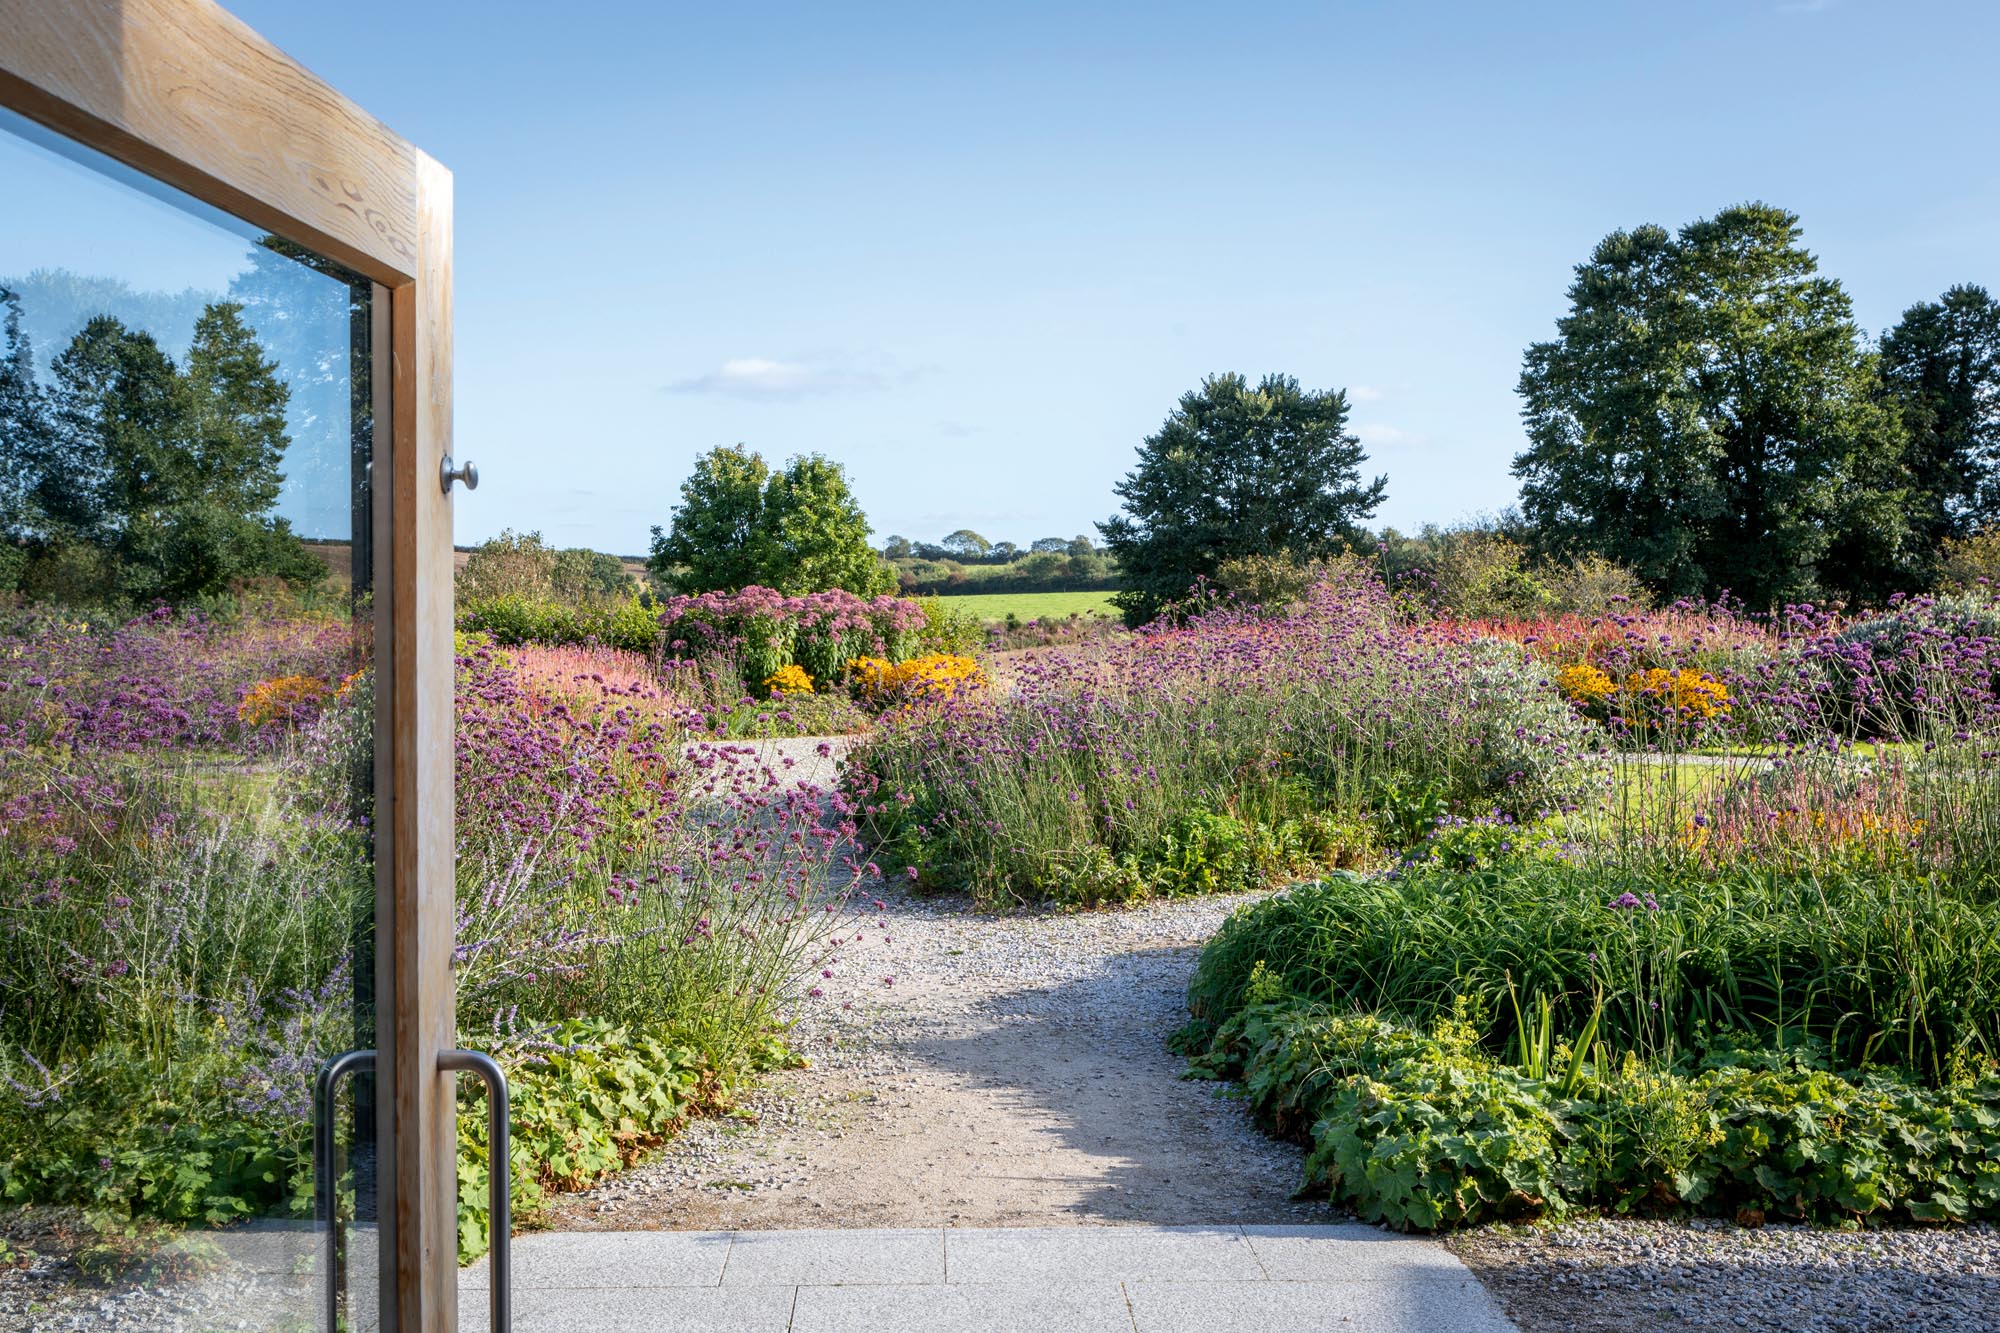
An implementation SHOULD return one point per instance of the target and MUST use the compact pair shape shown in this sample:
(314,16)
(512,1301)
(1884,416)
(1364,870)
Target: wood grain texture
(426,1230)
(183,91)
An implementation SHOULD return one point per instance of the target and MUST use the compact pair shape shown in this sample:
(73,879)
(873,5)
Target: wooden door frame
(184,92)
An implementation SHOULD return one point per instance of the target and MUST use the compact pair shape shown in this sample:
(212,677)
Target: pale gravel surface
(267,1291)
(1623,1276)
(1013,1073)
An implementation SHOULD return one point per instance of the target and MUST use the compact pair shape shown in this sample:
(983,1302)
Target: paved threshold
(1187,1279)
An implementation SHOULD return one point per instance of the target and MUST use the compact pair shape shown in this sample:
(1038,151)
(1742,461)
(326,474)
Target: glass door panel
(187,771)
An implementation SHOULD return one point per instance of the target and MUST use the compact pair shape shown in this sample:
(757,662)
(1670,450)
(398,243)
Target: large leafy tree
(1941,369)
(170,473)
(798,530)
(818,534)
(965,544)
(718,538)
(23,423)
(1706,415)
(1237,470)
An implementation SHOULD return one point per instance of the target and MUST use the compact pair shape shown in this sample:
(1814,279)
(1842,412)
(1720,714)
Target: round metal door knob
(467,472)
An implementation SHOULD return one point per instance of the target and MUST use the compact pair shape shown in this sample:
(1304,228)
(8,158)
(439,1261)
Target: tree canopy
(1707,416)
(128,478)
(1940,368)
(1234,471)
(799,530)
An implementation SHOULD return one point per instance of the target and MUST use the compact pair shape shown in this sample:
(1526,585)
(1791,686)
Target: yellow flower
(279,699)
(932,676)
(791,679)
(1585,684)
(872,677)
(1688,691)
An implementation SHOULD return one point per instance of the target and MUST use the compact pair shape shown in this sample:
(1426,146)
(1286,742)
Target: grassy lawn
(1034,605)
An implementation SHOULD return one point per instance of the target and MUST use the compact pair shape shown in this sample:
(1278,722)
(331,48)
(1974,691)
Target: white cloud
(1364,393)
(1382,435)
(757,377)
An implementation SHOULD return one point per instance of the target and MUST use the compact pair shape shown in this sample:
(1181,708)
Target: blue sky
(976,252)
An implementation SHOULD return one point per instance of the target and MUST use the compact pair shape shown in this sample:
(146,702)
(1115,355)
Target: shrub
(1421,1131)
(765,632)
(949,629)
(1876,966)
(585,1100)
(791,715)
(934,677)
(630,624)
(1272,723)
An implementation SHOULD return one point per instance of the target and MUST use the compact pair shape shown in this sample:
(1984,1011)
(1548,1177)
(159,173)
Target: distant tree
(1705,416)
(1081,544)
(24,427)
(1004,553)
(897,548)
(513,564)
(1042,567)
(1940,367)
(719,538)
(1234,471)
(1054,544)
(965,544)
(1088,566)
(201,520)
(236,435)
(116,441)
(583,577)
(131,479)
(798,530)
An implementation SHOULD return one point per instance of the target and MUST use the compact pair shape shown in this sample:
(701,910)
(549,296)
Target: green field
(1033,605)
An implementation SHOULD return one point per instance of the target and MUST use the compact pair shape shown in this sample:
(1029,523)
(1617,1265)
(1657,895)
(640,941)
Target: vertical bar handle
(499,1160)
(326,1199)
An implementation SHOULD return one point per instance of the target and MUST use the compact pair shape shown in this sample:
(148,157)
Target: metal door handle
(467,472)
(499,1194)
(499,1207)
(325,1197)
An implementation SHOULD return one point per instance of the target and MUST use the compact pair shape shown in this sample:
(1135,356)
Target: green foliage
(966,545)
(521,565)
(129,479)
(1707,415)
(1941,368)
(1276,582)
(1421,1131)
(818,714)
(510,619)
(589,1099)
(949,628)
(1489,569)
(799,529)
(1235,471)
(1970,561)
(1876,966)
(126,1143)
(718,537)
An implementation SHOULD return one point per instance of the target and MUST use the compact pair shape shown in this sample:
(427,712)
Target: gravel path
(1621,1276)
(974,1070)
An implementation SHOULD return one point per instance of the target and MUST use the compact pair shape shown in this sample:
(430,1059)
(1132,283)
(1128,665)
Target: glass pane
(187,892)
